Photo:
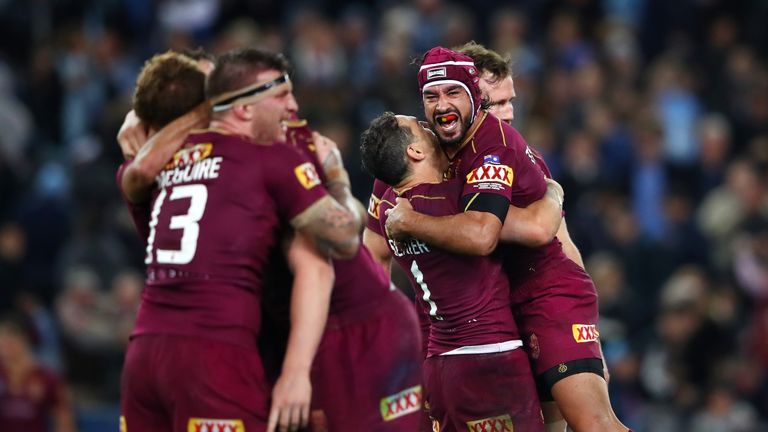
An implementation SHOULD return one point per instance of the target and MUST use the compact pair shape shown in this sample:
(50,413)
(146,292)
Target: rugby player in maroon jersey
(499,169)
(370,355)
(212,291)
(473,356)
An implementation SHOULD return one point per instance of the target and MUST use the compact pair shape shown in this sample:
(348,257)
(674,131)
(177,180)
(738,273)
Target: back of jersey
(213,225)
(465,297)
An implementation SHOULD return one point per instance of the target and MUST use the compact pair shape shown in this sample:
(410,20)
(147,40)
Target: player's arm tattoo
(334,228)
(339,186)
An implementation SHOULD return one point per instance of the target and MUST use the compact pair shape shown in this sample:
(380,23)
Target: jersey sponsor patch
(439,72)
(502,423)
(307,175)
(585,333)
(491,173)
(190,155)
(373,207)
(214,425)
(406,402)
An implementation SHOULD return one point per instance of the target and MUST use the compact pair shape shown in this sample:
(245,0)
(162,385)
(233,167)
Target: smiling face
(448,110)
(269,114)
(499,93)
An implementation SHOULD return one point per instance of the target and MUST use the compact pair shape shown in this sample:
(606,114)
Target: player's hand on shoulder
(132,135)
(290,402)
(398,218)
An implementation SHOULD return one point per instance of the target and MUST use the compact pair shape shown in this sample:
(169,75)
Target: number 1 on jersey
(419,276)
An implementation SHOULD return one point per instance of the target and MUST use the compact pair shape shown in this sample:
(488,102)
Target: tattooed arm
(338,184)
(333,228)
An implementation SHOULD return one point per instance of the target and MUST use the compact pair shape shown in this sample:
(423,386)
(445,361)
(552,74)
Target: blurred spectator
(31,396)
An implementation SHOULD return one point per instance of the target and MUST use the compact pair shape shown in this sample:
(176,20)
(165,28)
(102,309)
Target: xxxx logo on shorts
(502,423)
(585,333)
(214,425)
(406,402)
(307,175)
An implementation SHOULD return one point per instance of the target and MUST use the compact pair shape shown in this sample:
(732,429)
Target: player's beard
(454,137)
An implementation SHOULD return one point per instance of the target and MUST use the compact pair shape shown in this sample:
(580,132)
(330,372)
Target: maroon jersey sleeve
(530,184)
(292,181)
(372,223)
(299,135)
(140,213)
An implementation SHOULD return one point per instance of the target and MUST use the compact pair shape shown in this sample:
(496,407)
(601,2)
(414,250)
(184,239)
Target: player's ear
(243,112)
(415,151)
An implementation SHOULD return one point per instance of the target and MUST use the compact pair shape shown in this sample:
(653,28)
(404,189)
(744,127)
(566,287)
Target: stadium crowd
(652,115)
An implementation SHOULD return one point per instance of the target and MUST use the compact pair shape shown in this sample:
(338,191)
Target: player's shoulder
(495,135)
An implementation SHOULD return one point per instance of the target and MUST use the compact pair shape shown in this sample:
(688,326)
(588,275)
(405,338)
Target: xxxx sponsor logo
(190,155)
(373,207)
(307,175)
(406,402)
(502,423)
(123,424)
(214,425)
(585,333)
(490,172)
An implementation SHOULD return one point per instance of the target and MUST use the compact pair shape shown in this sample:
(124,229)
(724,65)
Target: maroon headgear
(443,66)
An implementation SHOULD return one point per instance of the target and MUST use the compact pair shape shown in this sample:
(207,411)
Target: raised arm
(537,224)
(140,175)
(312,285)
(337,183)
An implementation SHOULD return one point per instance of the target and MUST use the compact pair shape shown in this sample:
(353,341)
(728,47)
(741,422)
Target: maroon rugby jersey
(466,297)
(214,221)
(495,159)
(29,408)
(360,280)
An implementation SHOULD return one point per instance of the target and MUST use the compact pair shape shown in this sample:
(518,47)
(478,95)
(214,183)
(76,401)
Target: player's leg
(583,400)
(217,386)
(559,318)
(553,418)
(141,408)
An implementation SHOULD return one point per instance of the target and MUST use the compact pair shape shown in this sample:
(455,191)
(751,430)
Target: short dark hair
(237,68)
(487,60)
(383,149)
(169,85)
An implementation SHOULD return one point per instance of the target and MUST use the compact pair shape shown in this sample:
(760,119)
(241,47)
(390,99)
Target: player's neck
(421,174)
(231,127)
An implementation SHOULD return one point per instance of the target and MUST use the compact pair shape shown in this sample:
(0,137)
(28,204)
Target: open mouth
(447,122)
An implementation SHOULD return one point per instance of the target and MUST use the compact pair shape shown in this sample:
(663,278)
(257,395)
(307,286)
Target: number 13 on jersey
(187,222)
